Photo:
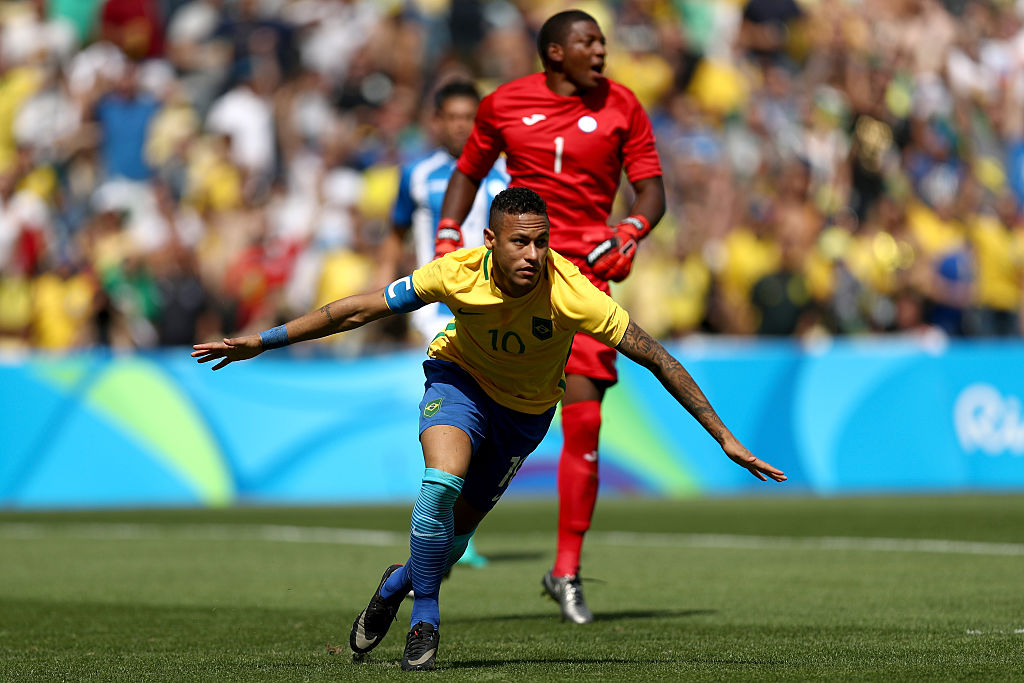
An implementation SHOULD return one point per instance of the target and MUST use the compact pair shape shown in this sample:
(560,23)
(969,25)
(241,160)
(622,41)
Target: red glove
(448,237)
(612,259)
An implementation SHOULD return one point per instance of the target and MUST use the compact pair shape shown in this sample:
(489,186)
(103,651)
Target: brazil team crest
(542,328)
(431,408)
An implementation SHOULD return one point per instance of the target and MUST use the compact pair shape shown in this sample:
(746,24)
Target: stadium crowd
(175,170)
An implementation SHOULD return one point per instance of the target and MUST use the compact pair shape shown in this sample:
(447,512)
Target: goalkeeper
(492,381)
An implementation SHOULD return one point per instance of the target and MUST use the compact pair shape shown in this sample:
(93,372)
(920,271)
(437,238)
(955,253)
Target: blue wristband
(275,337)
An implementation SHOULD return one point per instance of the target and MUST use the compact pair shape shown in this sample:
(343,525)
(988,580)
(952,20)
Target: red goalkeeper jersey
(569,150)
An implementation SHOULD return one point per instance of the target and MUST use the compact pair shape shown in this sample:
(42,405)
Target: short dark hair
(515,201)
(556,30)
(456,88)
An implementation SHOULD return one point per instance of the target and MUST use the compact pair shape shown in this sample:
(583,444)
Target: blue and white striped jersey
(421,192)
(418,205)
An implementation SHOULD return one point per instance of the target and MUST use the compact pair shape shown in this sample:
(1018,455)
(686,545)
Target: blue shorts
(501,437)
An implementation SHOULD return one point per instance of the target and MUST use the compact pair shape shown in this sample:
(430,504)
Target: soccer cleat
(373,623)
(420,648)
(472,558)
(567,591)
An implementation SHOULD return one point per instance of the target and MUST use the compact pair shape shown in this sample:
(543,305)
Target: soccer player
(568,133)
(418,208)
(493,379)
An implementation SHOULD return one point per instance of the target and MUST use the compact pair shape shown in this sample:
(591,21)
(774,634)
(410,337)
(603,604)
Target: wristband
(640,222)
(449,229)
(275,337)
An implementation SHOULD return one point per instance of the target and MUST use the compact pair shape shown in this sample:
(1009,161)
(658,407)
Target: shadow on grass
(584,661)
(512,557)
(493,663)
(605,616)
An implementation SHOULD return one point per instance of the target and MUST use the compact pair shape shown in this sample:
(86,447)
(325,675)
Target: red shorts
(590,357)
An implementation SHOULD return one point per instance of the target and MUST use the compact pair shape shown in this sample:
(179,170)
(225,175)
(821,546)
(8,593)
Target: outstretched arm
(641,348)
(337,316)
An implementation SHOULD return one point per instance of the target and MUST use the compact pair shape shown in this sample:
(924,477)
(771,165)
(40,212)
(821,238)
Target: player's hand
(228,351)
(739,454)
(448,237)
(612,259)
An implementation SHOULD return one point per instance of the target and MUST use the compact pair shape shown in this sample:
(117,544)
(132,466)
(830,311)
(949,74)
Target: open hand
(739,454)
(228,351)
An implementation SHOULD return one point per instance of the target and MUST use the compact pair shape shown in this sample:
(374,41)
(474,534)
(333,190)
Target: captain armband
(401,297)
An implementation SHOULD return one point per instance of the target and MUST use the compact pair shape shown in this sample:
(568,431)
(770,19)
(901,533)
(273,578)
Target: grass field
(752,589)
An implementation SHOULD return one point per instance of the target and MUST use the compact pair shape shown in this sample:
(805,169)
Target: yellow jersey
(514,347)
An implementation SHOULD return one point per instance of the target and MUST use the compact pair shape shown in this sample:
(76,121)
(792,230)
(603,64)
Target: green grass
(196,595)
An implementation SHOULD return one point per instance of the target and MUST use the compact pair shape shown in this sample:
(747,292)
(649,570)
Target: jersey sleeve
(484,145)
(401,212)
(429,280)
(593,312)
(640,156)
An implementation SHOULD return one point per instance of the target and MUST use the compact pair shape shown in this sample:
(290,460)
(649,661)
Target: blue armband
(275,337)
(401,297)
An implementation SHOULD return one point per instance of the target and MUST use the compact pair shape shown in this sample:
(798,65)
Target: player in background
(493,379)
(417,209)
(568,133)
(421,190)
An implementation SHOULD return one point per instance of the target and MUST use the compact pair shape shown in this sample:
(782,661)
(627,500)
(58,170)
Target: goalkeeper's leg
(577,482)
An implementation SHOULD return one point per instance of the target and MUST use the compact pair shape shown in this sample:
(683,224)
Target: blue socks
(432,544)
(399,580)
(459,545)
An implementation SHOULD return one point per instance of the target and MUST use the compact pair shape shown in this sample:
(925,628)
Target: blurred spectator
(135,26)
(245,116)
(996,235)
(124,114)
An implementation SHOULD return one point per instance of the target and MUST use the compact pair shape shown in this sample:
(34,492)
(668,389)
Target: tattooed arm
(337,316)
(641,348)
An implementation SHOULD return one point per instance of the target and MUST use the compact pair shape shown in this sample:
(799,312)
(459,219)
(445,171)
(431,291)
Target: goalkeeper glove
(448,237)
(612,259)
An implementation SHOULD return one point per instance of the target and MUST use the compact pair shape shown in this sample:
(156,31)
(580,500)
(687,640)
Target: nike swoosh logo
(424,657)
(362,642)
(591,456)
(535,118)
(461,311)
(418,534)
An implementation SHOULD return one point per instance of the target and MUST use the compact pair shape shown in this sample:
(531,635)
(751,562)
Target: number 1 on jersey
(559,146)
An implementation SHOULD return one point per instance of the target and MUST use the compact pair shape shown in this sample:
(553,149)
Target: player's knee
(583,417)
(438,492)
(577,524)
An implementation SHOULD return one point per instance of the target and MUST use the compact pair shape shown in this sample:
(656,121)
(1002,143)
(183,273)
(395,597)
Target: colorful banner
(158,430)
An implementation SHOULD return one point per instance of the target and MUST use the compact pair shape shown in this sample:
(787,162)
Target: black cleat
(567,591)
(420,648)
(373,623)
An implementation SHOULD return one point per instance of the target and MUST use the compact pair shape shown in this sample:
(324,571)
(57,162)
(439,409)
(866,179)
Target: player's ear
(488,238)
(555,53)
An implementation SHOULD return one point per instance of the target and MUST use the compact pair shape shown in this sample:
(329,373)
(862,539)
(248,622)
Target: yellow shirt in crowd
(998,264)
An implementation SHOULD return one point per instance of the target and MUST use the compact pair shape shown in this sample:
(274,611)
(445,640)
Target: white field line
(370,537)
(734,541)
(206,532)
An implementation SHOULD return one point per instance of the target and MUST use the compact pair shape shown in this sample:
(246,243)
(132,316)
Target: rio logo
(987,421)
